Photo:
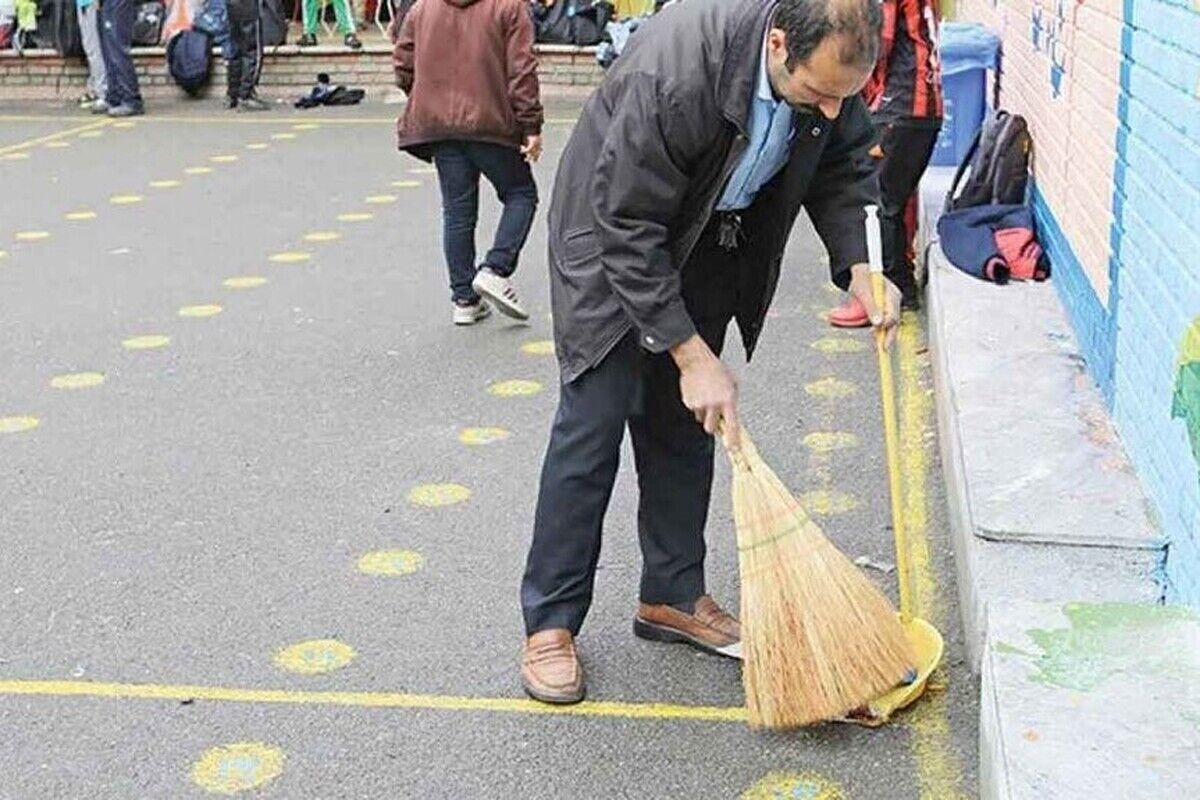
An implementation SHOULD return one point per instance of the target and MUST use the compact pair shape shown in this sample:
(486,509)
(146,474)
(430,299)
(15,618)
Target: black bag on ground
(189,60)
(578,22)
(274,24)
(995,169)
(148,24)
(58,27)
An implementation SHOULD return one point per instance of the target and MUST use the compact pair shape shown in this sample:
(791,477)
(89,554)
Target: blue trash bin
(967,51)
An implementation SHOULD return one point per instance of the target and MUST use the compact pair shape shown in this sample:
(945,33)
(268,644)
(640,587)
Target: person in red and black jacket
(904,95)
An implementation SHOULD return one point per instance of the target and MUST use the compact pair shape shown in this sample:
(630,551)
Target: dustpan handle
(891,437)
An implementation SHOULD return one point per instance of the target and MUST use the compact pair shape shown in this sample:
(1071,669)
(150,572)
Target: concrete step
(1090,700)
(1044,503)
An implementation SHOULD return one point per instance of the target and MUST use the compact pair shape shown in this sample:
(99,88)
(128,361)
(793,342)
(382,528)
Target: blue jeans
(459,165)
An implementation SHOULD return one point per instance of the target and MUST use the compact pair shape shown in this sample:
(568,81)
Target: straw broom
(818,639)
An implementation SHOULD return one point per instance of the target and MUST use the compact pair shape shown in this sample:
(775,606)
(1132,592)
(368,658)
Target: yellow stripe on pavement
(50,137)
(150,691)
(939,773)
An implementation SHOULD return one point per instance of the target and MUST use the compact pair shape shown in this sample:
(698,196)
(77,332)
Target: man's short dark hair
(807,23)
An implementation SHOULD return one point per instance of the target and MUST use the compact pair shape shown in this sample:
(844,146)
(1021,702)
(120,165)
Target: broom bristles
(818,638)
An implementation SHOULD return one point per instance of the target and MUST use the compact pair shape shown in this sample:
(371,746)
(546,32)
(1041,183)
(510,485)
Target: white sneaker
(469,315)
(500,291)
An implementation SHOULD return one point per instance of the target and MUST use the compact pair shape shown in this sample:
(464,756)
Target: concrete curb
(1047,517)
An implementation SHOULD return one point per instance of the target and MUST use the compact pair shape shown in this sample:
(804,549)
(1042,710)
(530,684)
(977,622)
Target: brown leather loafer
(550,668)
(708,628)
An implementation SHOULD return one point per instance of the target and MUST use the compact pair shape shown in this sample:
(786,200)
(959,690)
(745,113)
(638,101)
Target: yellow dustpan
(926,642)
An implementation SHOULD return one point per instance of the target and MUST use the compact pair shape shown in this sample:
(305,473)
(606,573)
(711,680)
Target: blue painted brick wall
(1156,261)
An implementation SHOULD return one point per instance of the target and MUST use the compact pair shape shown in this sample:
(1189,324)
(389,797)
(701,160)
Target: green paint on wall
(1106,639)
(1006,649)
(1186,403)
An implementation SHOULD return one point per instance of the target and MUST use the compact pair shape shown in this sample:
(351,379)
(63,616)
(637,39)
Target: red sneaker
(850,314)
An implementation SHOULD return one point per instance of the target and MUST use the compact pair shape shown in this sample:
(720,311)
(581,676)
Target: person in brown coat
(470,74)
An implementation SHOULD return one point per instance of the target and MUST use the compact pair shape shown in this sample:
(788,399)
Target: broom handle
(891,435)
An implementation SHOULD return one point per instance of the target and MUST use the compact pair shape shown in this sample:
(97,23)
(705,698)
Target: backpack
(996,166)
(213,19)
(189,60)
(987,228)
(577,22)
(274,24)
(148,24)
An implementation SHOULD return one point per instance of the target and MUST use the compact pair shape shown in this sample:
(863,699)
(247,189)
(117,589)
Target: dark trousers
(245,29)
(116,37)
(673,455)
(906,152)
(459,165)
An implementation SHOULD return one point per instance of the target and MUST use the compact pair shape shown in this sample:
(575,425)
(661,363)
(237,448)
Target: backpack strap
(962,168)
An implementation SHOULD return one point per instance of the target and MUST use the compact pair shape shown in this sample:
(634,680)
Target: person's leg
(576,484)
(674,455)
(253,52)
(345,16)
(89,29)
(458,179)
(312,16)
(509,173)
(118,17)
(233,65)
(906,153)
(108,48)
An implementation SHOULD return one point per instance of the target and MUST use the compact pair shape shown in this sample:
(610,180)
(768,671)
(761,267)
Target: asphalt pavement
(264,510)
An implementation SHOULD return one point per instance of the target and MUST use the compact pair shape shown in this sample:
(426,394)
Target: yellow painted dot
(196,312)
(306,126)
(32,236)
(435,495)
(57,144)
(544,347)
(830,387)
(315,657)
(837,344)
(422,170)
(481,436)
(125,124)
(355,216)
(827,502)
(281,136)
(223,159)
(291,257)
(125,199)
(380,199)
(146,342)
(794,786)
(197,170)
(91,134)
(3,254)
(257,146)
(391,562)
(514,388)
(406,184)
(18,424)
(244,282)
(828,441)
(237,767)
(79,215)
(77,380)
(20,156)
(167,184)
(322,236)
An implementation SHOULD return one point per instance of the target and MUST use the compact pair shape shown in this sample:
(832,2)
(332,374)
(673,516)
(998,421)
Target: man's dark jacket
(646,164)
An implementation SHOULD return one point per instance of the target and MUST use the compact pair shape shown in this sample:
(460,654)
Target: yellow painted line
(509,705)
(12,148)
(20,155)
(939,773)
(77,216)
